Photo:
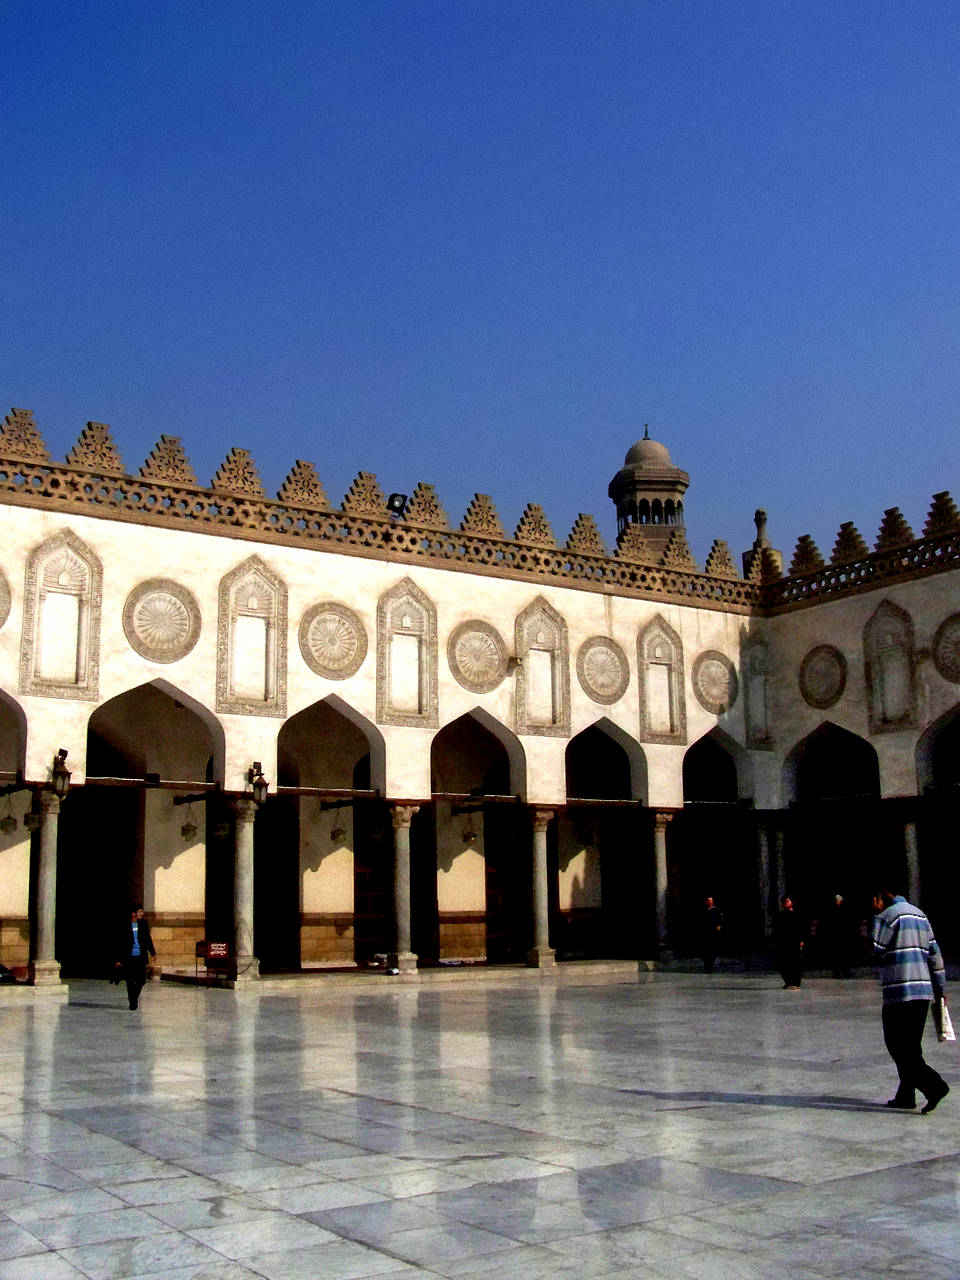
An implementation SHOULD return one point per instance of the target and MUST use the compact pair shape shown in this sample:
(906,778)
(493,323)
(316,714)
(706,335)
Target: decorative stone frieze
(663,712)
(889,666)
(169,463)
(946,648)
(543,672)
(677,553)
(302,487)
(481,517)
(585,536)
(719,562)
(96,451)
(943,516)
(849,545)
(894,531)
(603,670)
(238,475)
(364,497)
(407,658)
(20,438)
(252,641)
(534,527)
(161,620)
(823,676)
(426,509)
(807,557)
(477,656)
(715,683)
(63,597)
(633,546)
(333,640)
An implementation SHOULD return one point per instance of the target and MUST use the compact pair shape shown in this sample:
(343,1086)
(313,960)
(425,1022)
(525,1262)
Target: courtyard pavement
(671,1127)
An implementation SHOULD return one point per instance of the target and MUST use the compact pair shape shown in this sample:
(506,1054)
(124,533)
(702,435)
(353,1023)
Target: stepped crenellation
(302,509)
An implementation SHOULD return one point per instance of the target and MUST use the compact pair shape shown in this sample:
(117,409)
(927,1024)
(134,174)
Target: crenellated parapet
(166,492)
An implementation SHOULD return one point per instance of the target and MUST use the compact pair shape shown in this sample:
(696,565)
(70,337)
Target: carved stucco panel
(477,656)
(663,710)
(252,591)
(540,630)
(602,670)
(333,640)
(161,620)
(407,658)
(63,600)
(890,669)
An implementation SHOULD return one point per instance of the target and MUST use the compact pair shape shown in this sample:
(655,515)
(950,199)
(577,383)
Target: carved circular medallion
(602,669)
(161,620)
(946,648)
(333,640)
(715,682)
(4,600)
(477,656)
(823,676)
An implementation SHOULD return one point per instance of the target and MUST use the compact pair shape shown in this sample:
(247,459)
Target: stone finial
(894,531)
(238,475)
(426,509)
(95,451)
(849,545)
(585,537)
(534,527)
(302,487)
(481,517)
(677,553)
(806,557)
(168,462)
(20,438)
(633,546)
(943,517)
(760,520)
(719,562)
(364,498)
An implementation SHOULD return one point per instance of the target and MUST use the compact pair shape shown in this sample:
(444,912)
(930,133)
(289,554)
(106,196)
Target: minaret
(648,490)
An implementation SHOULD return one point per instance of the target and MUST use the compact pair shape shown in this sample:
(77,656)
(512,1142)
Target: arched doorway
(605,891)
(712,848)
(482,888)
(323,865)
(123,840)
(15,895)
(838,837)
(938,775)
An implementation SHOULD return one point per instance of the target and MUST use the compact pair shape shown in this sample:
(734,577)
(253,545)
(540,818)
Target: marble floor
(672,1127)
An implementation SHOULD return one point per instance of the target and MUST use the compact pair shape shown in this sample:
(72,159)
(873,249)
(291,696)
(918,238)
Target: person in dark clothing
(789,940)
(135,944)
(711,930)
(839,932)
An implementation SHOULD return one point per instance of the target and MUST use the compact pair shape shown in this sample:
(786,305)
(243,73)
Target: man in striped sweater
(911,975)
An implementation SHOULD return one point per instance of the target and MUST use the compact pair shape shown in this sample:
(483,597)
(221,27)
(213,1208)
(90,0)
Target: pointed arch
(717,768)
(663,713)
(304,730)
(13,735)
(938,752)
(831,763)
(407,657)
(252,641)
(636,782)
(511,744)
(156,728)
(890,668)
(63,597)
(543,671)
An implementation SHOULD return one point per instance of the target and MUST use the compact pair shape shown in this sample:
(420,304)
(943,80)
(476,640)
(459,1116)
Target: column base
(541,958)
(247,970)
(43,973)
(403,961)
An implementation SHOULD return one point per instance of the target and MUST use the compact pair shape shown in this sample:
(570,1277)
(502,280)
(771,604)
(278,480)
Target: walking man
(135,944)
(911,975)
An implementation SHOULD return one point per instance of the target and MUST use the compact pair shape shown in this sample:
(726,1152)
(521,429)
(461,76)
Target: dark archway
(605,890)
(938,772)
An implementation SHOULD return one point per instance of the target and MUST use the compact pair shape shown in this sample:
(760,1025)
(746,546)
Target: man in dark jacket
(134,947)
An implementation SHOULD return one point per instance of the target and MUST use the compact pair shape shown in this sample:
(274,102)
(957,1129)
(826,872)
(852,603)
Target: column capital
(245,808)
(541,818)
(661,819)
(46,801)
(401,815)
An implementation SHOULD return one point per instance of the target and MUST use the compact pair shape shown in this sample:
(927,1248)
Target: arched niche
(60,644)
(663,715)
(831,764)
(543,671)
(407,657)
(325,744)
(938,753)
(715,770)
(476,752)
(889,665)
(252,641)
(605,763)
(155,728)
(13,735)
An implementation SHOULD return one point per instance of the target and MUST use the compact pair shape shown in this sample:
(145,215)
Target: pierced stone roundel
(823,676)
(161,620)
(477,656)
(602,670)
(333,640)
(946,648)
(715,682)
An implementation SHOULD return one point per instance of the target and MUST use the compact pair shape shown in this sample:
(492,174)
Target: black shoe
(901,1104)
(933,1099)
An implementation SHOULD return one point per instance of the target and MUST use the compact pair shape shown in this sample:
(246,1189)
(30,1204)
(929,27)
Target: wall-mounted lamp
(512,665)
(189,828)
(468,835)
(337,832)
(60,774)
(397,505)
(258,783)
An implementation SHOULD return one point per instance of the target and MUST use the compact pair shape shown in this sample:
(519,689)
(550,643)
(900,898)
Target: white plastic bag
(942,1021)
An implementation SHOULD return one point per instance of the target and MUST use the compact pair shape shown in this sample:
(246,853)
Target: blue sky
(481,243)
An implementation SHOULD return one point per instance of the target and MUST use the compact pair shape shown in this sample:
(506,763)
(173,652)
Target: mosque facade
(325,734)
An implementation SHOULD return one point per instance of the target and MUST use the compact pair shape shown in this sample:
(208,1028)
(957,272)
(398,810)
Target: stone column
(780,863)
(661,821)
(763,852)
(541,955)
(912,850)
(248,966)
(44,969)
(403,959)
